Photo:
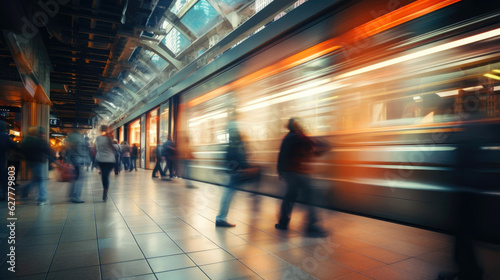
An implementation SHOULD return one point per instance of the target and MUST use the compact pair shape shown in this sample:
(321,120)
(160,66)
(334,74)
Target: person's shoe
(154,176)
(316,232)
(224,224)
(77,201)
(105,195)
(281,226)
(44,202)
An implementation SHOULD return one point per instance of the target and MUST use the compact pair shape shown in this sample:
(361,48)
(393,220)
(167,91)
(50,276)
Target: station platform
(154,229)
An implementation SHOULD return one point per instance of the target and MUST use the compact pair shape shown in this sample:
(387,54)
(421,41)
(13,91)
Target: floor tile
(183,274)
(75,274)
(170,263)
(125,269)
(264,263)
(227,270)
(391,273)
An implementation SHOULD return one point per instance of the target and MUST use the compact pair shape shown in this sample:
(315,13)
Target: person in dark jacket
(158,161)
(6,144)
(297,149)
(169,151)
(36,150)
(133,157)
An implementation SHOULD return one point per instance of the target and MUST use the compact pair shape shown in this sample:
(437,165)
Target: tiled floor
(153,229)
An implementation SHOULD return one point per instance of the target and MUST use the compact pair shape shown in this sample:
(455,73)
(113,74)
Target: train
(392,86)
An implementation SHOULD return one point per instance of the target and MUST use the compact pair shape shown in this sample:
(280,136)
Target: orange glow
(389,20)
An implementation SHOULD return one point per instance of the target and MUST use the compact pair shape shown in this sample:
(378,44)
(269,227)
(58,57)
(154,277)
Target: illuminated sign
(15,133)
(55,122)
(9,109)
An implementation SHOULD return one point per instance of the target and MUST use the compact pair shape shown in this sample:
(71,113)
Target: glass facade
(201,18)
(134,136)
(175,41)
(152,138)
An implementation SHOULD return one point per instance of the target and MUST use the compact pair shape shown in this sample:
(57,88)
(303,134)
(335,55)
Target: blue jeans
(76,188)
(227,197)
(38,178)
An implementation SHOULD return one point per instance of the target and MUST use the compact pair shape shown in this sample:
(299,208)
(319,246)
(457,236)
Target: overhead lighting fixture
(447,93)
(497,88)
(496,71)
(491,76)
(473,88)
(417,98)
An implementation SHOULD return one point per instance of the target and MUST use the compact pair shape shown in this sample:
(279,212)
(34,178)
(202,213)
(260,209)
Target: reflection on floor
(153,229)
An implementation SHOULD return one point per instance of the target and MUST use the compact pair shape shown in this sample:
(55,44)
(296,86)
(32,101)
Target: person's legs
(39,177)
(76,189)
(156,169)
(288,200)
(105,171)
(225,202)
(304,182)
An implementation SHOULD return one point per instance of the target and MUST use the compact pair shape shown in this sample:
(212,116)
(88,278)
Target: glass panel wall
(134,136)
(201,18)
(152,138)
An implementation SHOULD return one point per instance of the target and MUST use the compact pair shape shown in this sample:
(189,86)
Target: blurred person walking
(106,157)
(36,150)
(158,161)
(185,155)
(118,154)
(133,157)
(77,153)
(297,149)
(125,147)
(236,163)
(6,144)
(169,151)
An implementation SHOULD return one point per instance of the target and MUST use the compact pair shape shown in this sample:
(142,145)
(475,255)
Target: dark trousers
(157,167)
(171,167)
(296,182)
(126,162)
(106,168)
(133,163)
(117,165)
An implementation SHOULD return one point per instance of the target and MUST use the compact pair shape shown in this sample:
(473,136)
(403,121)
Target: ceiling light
(473,88)
(448,93)
(491,76)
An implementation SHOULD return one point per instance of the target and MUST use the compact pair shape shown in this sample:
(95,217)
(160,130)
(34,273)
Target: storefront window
(134,136)
(164,121)
(152,140)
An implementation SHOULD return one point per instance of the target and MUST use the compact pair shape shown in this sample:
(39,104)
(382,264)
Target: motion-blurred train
(392,86)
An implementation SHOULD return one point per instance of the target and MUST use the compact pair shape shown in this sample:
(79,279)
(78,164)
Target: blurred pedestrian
(468,197)
(106,158)
(118,153)
(36,150)
(185,155)
(133,157)
(236,163)
(6,144)
(295,151)
(169,151)
(76,154)
(158,156)
(125,147)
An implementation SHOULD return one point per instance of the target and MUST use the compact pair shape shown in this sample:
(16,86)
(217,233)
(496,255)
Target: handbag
(66,173)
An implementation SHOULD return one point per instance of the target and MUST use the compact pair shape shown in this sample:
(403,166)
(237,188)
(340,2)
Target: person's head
(294,125)
(104,129)
(163,158)
(169,137)
(122,143)
(115,141)
(134,145)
